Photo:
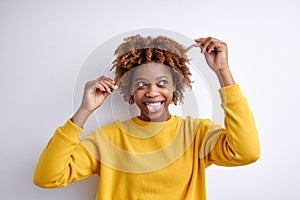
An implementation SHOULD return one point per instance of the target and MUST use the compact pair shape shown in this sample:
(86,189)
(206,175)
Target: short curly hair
(137,50)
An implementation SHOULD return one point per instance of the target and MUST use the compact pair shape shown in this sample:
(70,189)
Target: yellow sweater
(159,160)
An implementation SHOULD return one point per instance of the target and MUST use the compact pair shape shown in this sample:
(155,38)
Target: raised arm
(237,143)
(65,159)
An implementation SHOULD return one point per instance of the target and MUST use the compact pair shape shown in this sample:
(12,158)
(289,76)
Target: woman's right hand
(95,92)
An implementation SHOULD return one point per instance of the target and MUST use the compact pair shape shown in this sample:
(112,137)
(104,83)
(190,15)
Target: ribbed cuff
(231,93)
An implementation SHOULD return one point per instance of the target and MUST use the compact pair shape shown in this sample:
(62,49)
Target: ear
(131,100)
(175,98)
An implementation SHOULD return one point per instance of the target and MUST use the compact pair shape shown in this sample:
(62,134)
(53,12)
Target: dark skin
(153,91)
(96,91)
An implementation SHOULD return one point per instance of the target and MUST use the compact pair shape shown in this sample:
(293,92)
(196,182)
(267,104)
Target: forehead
(151,71)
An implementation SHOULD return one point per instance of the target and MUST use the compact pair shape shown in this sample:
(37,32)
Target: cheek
(168,94)
(138,94)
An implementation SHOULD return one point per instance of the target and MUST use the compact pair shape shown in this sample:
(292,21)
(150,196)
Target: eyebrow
(145,79)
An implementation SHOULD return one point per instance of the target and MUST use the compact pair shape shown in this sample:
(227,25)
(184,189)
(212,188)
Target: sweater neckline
(141,122)
(145,129)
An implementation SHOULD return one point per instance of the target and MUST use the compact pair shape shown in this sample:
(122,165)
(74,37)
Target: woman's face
(152,90)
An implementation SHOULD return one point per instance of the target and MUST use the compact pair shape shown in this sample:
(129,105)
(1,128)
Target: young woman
(155,155)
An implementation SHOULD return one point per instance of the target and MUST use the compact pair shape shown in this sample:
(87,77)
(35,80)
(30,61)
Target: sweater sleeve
(237,143)
(64,159)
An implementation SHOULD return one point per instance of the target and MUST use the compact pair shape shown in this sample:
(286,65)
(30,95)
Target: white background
(43,45)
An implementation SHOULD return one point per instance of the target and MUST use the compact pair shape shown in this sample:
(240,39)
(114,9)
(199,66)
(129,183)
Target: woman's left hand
(216,53)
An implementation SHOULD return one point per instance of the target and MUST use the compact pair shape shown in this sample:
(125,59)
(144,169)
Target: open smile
(154,106)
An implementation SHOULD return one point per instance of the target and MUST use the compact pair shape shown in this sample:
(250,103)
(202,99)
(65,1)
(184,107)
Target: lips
(154,106)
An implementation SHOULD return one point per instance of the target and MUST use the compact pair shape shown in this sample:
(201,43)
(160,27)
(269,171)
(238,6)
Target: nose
(152,90)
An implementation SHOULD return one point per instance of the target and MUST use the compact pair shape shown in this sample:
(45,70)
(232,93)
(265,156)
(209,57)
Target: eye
(162,83)
(141,85)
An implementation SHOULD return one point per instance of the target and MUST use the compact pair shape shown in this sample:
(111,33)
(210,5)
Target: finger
(100,87)
(107,89)
(200,42)
(103,87)
(106,85)
(207,44)
(111,85)
(217,46)
(211,47)
(108,80)
(203,43)
(105,78)
(214,45)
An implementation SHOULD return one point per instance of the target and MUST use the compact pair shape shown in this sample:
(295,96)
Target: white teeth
(153,104)
(153,107)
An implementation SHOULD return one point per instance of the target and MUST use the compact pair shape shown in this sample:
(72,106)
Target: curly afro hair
(138,50)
